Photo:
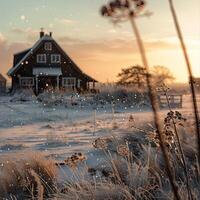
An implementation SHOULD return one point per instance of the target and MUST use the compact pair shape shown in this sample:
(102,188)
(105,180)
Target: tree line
(136,76)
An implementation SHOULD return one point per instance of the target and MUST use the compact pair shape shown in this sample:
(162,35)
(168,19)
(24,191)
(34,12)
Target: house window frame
(79,83)
(22,84)
(67,84)
(48,46)
(41,58)
(54,58)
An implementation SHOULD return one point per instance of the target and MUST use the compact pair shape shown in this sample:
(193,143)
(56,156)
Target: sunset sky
(96,45)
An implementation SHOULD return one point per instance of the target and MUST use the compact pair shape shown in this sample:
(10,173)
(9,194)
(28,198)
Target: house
(2,84)
(46,66)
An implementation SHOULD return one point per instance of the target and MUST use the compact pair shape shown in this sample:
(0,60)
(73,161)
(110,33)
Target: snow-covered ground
(61,131)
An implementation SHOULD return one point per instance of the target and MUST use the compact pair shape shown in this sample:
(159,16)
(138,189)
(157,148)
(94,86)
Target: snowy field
(59,131)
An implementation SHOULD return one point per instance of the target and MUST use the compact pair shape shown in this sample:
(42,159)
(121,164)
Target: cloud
(159,45)
(112,31)
(103,58)
(95,57)
(29,33)
(70,41)
(2,38)
(65,21)
(112,47)
(6,53)
(51,25)
(18,31)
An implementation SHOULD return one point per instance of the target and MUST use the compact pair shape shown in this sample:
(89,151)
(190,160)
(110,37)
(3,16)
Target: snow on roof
(43,71)
(45,37)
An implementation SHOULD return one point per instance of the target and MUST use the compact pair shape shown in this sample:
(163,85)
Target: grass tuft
(34,176)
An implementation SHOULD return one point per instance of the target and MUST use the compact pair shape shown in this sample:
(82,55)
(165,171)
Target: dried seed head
(100,143)
(126,4)
(105,11)
(112,6)
(168,145)
(118,4)
(153,137)
(122,10)
(131,118)
(123,150)
(73,160)
(140,4)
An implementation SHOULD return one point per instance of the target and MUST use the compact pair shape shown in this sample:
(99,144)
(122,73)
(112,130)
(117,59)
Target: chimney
(42,32)
(50,34)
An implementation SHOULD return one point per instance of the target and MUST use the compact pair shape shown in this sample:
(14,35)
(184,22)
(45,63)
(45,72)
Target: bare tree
(162,75)
(133,76)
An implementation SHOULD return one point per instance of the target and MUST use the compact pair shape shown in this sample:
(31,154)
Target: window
(41,58)
(69,82)
(48,46)
(26,81)
(91,85)
(55,58)
(79,83)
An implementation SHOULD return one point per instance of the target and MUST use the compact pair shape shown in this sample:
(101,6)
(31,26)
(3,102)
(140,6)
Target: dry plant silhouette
(127,10)
(191,78)
(171,122)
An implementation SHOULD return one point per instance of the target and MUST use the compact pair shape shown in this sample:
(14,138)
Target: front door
(46,83)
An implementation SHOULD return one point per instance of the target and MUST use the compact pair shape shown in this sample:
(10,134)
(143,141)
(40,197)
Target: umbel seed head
(121,9)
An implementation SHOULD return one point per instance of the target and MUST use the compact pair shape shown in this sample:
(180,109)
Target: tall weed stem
(191,79)
(182,160)
(155,108)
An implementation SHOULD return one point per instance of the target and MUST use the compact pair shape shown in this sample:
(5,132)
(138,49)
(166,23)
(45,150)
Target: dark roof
(28,54)
(2,78)
(18,56)
(89,78)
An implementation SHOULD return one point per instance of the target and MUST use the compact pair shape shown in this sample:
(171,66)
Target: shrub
(27,178)
(122,95)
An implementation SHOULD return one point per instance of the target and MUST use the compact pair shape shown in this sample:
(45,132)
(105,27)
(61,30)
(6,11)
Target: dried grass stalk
(183,161)
(191,79)
(155,107)
(40,188)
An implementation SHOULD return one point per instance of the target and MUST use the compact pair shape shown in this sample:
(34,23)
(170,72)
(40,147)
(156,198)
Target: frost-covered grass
(122,164)
(24,107)
(33,176)
(131,166)
(119,96)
